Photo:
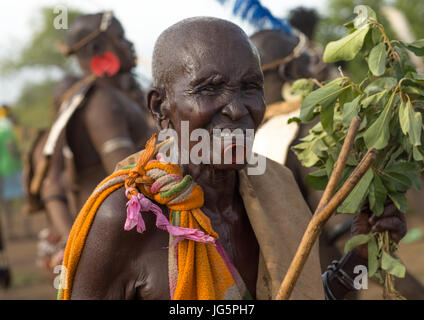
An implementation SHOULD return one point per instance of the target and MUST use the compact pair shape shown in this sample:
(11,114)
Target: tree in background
(41,56)
(339,11)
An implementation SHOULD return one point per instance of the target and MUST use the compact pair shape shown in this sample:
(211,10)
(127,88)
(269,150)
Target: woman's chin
(229,166)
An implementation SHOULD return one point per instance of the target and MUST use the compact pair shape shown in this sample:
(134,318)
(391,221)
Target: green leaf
(378,134)
(326,118)
(357,241)
(398,180)
(417,155)
(302,87)
(384,83)
(373,99)
(324,96)
(317,180)
(347,95)
(354,200)
(377,196)
(308,152)
(350,110)
(377,59)
(403,65)
(379,277)
(392,265)
(347,47)
(376,35)
(293,119)
(410,123)
(363,13)
(329,166)
(305,155)
(413,235)
(372,257)
(417,76)
(413,90)
(408,170)
(417,47)
(400,201)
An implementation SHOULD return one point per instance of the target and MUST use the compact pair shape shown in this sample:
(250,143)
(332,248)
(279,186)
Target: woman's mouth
(230,147)
(235,153)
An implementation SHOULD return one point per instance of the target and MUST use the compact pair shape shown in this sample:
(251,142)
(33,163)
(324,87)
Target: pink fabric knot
(139,203)
(161,158)
(135,206)
(134,218)
(181,233)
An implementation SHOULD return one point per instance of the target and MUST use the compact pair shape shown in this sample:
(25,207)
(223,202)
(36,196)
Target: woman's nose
(235,109)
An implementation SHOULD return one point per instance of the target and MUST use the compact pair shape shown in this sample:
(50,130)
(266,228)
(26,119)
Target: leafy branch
(389,102)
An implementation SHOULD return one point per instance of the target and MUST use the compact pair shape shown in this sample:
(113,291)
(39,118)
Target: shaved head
(186,44)
(207,74)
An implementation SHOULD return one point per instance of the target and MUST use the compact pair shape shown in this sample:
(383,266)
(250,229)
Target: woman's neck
(220,187)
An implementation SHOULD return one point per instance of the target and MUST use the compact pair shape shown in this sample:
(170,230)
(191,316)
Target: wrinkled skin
(223,89)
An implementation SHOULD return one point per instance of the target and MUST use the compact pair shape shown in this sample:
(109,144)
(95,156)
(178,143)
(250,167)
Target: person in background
(11,191)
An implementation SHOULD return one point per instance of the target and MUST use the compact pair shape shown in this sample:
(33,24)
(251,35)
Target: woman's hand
(391,220)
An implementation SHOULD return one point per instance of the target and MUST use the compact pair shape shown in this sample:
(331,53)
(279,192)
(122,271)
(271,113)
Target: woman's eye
(209,89)
(251,86)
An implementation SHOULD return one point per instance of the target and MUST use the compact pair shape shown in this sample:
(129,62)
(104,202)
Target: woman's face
(217,87)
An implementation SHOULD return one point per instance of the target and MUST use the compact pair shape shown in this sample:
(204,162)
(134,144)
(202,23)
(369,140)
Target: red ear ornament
(104,65)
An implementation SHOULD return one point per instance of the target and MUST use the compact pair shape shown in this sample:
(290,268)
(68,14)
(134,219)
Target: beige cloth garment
(279,216)
(274,136)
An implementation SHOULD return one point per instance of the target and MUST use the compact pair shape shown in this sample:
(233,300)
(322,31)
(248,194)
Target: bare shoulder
(105,268)
(104,99)
(107,230)
(116,263)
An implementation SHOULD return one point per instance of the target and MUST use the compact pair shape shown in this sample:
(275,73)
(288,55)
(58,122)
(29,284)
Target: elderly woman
(207,231)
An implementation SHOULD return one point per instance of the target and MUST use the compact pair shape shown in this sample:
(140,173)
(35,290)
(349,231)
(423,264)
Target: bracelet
(55,197)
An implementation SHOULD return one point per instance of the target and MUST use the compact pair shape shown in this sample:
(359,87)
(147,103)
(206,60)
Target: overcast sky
(143,21)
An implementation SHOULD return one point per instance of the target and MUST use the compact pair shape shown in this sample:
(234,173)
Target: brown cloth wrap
(279,216)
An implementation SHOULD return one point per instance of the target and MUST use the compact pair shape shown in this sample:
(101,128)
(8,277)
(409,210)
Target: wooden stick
(328,193)
(340,163)
(316,223)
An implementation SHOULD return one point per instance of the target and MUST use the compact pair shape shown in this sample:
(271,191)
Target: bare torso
(96,123)
(138,267)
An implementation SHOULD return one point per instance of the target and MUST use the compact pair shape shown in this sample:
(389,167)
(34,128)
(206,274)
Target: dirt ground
(28,280)
(31,282)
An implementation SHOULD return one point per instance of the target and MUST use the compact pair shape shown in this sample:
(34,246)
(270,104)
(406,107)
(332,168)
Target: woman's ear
(158,105)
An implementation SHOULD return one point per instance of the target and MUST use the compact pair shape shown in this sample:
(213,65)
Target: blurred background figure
(51,194)
(108,121)
(10,176)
